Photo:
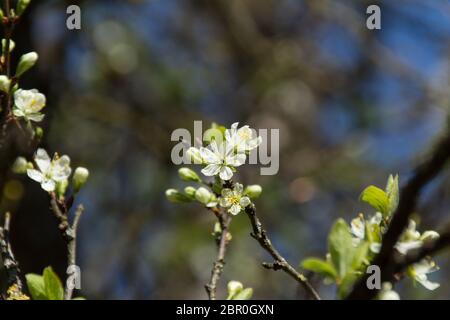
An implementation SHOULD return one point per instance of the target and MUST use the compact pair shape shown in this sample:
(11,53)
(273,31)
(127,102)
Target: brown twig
(68,232)
(9,262)
(8,23)
(407,204)
(219,263)
(279,262)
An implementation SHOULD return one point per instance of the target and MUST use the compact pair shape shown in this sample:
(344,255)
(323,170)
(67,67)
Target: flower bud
(26,62)
(20,166)
(39,133)
(194,156)
(5,83)
(187,174)
(12,45)
(245,294)
(190,192)
(203,195)
(253,191)
(217,229)
(174,195)
(80,178)
(233,288)
(22,6)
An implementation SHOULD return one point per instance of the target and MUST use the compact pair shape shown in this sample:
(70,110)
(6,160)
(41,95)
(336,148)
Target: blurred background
(352,106)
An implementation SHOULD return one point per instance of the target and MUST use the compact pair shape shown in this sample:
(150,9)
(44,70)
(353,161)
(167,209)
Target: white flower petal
(35,175)
(225,173)
(209,156)
(404,247)
(238,188)
(235,209)
(225,202)
(375,247)
(211,170)
(358,227)
(245,201)
(236,160)
(42,160)
(36,117)
(48,185)
(427,283)
(227,192)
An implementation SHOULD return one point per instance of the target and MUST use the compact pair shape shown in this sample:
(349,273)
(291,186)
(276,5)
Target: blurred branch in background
(408,201)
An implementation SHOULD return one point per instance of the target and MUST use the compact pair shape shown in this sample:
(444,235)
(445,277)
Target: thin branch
(279,262)
(8,23)
(9,262)
(219,263)
(69,233)
(407,204)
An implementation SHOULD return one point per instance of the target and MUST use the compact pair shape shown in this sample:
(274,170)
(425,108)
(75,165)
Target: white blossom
(243,139)
(50,171)
(234,199)
(419,273)
(221,159)
(358,230)
(28,104)
(412,239)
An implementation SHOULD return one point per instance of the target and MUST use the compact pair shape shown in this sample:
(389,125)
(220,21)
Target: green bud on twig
(190,192)
(26,62)
(20,166)
(5,83)
(203,195)
(80,178)
(245,294)
(12,45)
(253,191)
(174,195)
(187,174)
(233,288)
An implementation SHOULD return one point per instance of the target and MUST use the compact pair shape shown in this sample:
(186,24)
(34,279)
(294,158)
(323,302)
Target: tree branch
(219,263)
(9,262)
(69,233)
(279,262)
(407,204)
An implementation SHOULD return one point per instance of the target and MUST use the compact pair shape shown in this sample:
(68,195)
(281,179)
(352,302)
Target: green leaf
(340,247)
(360,255)
(376,198)
(319,266)
(245,294)
(36,286)
(392,192)
(53,286)
(346,285)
